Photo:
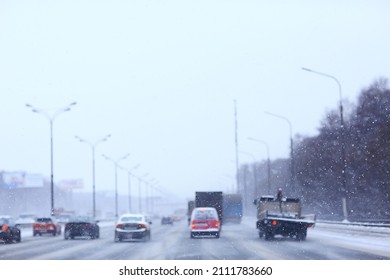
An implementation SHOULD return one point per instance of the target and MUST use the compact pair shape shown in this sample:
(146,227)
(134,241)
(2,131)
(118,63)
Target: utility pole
(236,144)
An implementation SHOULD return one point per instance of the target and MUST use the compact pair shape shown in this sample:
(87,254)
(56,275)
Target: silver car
(132,227)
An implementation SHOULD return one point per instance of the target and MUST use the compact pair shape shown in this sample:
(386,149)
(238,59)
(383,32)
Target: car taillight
(141,226)
(120,226)
(217,224)
(193,224)
(274,223)
(4,227)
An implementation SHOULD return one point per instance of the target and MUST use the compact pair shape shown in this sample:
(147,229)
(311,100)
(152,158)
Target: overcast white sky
(161,77)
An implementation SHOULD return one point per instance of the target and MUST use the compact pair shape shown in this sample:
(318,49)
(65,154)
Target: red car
(205,221)
(46,225)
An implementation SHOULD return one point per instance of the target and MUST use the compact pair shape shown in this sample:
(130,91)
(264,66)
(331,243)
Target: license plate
(130,227)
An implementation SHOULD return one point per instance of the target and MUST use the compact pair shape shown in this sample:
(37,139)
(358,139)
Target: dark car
(82,226)
(9,231)
(167,220)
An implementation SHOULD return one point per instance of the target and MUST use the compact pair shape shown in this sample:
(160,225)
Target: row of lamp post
(52,117)
(92,145)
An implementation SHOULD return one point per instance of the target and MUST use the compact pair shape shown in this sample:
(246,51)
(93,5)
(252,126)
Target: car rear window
(44,220)
(82,219)
(131,219)
(205,215)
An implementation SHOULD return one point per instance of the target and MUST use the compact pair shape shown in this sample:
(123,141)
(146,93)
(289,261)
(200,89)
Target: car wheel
(19,238)
(117,238)
(54,233)
(217,235)
(192,235)
(34,233)
(67,234)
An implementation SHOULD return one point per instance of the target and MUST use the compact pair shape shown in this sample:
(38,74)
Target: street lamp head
(32,108)
(106,137)
(125,156)
(78,138)
(68,108)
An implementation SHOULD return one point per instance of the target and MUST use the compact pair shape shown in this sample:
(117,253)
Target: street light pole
(292,167)
(129,183)
(139,192)
(342,136)
(254,178)
(152,184)
(93,146)
(268,161)
(51,120)
(236,145)
(149,198)
(116,179)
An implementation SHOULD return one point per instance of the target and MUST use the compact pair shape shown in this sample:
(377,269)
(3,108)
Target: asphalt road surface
(173,242)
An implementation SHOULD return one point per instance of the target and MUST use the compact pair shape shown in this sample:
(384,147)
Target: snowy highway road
(237,242)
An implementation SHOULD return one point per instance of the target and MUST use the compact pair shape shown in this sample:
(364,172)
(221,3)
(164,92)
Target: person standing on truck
(279,197)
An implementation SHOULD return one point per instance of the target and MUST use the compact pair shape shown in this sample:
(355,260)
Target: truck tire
(268,235)
(261,234)
(301,235)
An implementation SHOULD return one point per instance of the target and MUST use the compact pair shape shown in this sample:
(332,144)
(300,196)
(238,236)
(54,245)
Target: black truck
(210,199)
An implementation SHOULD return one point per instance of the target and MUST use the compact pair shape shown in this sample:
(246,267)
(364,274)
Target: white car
(132,227)
(26,219)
